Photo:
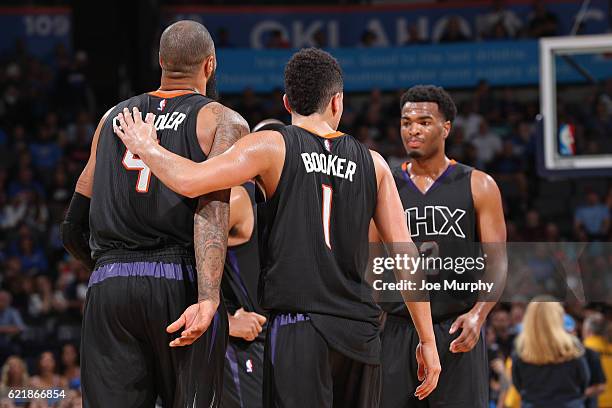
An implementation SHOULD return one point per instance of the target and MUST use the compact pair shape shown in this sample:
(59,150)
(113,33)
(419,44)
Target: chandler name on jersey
(130,207)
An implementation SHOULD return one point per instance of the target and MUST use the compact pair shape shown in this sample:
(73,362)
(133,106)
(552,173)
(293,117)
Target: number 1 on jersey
(144,172)
(326,212)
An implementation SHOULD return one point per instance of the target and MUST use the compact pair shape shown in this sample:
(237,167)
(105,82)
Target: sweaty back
(130,208)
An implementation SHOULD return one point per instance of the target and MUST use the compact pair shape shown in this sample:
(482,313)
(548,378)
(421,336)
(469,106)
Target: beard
(211,87)
(415,154)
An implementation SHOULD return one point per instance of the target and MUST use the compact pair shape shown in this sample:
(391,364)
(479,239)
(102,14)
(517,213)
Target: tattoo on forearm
(210,243)
(212,217)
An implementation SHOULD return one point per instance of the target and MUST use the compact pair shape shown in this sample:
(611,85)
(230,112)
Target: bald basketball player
(153,322)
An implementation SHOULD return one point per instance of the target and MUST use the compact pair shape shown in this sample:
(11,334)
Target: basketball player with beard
(153,323)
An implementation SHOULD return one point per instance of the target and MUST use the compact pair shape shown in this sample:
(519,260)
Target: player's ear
(209,65)
(161,61)
(286,103)
(336,103)
(447,128)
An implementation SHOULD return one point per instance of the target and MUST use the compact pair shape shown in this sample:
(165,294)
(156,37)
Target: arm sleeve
(75,230)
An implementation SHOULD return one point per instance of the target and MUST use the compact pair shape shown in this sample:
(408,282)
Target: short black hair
(184,45)
(431,93)
(312,77)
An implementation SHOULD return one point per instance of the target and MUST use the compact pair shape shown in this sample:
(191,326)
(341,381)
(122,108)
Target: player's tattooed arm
(210,226)
(210,230)
(212,217)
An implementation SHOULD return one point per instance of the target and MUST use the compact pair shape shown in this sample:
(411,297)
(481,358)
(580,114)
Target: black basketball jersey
(443,215)
(131,210)
(241,272)
(316,248)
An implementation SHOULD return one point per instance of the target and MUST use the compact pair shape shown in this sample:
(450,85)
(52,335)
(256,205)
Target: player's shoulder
(219,114)
(483,185)
(380,165)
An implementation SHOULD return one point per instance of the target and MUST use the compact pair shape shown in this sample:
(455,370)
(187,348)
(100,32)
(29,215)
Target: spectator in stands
(11,325)
(501,324)
(25,182)
(542,23)
(33,259)
(46,152)
(548,367)
(593,218)
(454,31)
(513,232)
(320,39)
(500,18)
(469,119)
(368,39)
(596,337)
(6,403)
(552,233)
(14,374)
(251,107)
(41,301)
(533,230)
(414,36)
(47,376)
(277,40)
(223,38)
(510,167)
(487,143)
(70,363)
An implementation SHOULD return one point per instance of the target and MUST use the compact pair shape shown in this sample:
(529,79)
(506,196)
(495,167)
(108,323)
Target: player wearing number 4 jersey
(322,188)
(151,325)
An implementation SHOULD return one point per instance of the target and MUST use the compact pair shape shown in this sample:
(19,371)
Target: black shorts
(301,370)
(244,373)
(464,380)
(126,360)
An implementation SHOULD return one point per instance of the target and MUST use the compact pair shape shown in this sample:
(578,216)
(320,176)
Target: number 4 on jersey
(130,162)
(326,212)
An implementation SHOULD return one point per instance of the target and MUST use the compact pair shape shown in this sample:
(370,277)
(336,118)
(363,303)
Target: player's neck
(187,84)
(432,166)
(314,123)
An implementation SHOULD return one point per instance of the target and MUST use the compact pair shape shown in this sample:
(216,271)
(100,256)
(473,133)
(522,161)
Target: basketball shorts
(126,360)
(302,370)
(242,386)
(463,382)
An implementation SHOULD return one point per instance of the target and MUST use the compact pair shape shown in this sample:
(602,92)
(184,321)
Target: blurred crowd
(47,118)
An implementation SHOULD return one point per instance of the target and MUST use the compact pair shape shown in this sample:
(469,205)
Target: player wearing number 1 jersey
(151,325)
(323,187)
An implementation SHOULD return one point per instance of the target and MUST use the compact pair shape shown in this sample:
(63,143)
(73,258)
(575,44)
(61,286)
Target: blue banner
(41,29)
(343,26)
(511,63)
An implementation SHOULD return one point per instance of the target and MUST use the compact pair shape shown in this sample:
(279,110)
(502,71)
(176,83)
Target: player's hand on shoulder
(246,325)
(135,133)
(195,319)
